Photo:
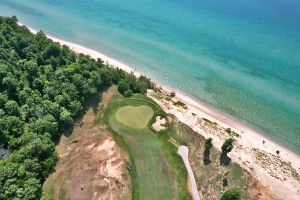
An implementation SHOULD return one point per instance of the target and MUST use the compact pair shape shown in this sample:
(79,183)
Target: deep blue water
(240,57)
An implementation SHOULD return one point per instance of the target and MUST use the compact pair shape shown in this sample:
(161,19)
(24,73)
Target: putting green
(135,117)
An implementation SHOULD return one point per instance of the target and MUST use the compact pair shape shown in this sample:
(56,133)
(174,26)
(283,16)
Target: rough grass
(210,177)
(160,173)
(135,117)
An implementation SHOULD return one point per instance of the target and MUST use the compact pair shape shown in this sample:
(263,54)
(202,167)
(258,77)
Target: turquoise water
(239,57)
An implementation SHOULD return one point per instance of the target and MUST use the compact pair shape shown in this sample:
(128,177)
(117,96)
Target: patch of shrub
(181,104)
(232,194)
(228,130)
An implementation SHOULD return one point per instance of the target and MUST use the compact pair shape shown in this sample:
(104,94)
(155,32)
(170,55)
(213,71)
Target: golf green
(136,117)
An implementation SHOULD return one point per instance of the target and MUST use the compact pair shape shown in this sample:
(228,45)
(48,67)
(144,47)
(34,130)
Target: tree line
(43,89)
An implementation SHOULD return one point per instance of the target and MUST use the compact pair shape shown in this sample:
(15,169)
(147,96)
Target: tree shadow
(92,102)
(224,159)
(206,157)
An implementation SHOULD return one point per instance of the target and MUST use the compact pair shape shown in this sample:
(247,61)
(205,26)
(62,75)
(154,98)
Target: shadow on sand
(224,159)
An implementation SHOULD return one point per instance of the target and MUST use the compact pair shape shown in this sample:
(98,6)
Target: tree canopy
(227,145)
(208,144)
(43,88)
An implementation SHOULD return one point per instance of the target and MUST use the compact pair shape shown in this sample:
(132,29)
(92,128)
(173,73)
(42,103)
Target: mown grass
(177,164)
(135,116)
(159,172)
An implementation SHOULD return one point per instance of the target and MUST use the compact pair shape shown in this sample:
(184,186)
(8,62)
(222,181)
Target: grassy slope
(210,177)
(160,173)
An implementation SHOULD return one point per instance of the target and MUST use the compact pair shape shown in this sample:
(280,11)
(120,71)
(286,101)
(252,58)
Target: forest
(43,89)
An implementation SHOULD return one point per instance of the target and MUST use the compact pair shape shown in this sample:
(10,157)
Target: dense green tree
(3,99)
(226,148)
(65,118)
(227,145)
(123,86)
(208,144)
(52,50)
(43,88)
(46,124)
(12,108)
(206,154)
(75,108)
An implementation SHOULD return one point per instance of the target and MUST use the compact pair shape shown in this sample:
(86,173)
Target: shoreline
(250,139)
(227,121)
(213,114)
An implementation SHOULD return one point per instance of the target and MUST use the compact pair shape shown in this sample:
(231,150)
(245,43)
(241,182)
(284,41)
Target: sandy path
(183,151)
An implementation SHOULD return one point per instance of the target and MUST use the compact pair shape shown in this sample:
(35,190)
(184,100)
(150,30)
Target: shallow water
(240,57)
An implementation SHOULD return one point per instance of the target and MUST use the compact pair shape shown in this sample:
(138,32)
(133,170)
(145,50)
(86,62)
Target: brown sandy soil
(257,190)
(91,165)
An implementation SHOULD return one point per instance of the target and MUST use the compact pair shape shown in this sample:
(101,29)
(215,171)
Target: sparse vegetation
(208,121)
(234,134)
(181,104)
(228,130)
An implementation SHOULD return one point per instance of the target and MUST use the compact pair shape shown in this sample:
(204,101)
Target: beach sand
(280,173)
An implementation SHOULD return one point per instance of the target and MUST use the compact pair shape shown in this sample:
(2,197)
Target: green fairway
(135,116)
(159,172)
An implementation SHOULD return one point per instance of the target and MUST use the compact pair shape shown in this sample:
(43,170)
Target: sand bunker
(159,124)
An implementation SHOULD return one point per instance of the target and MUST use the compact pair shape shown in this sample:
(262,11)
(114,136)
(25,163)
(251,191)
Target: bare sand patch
(93,167)
(159,124)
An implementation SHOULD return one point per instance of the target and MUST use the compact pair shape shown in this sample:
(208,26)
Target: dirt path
(183,151)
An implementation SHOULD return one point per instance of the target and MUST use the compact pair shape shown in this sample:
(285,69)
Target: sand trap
(159,124)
